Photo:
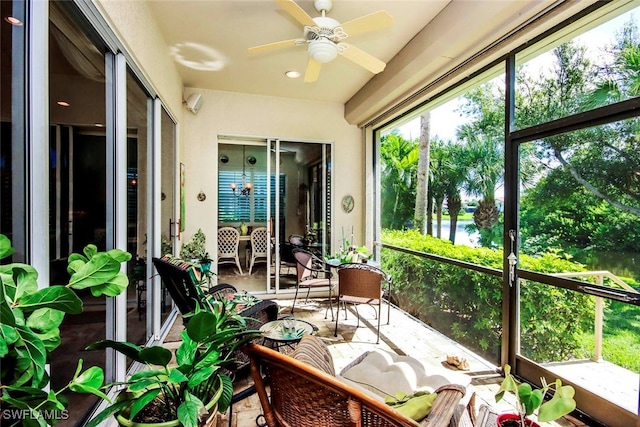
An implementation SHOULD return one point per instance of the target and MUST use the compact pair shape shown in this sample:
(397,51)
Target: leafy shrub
(467,305)
(195,249)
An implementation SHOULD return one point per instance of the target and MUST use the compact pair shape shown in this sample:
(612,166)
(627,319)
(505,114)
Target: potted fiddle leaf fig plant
(529,401)
(189,390)
(30,317)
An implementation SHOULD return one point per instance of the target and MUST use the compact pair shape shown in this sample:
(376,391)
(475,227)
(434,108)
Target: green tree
(483,139)
(399,158)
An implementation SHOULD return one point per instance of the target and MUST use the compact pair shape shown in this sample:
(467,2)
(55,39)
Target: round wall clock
(347,203)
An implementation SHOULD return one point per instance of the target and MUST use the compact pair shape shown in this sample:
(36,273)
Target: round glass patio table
(278,337)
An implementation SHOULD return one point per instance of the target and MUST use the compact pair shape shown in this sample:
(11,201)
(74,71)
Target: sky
(445,119)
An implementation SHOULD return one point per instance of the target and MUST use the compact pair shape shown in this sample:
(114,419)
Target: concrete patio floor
(404,335)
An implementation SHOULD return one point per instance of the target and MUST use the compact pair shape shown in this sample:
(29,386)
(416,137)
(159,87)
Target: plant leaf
(186,352)
(25,283)
(130,350)
(119,255)
(201,326)
(45,319)
(142,401)
(227,393)
(107,412)
(112,288)
(156,355)
(559,405)
(90,251)
(201,375)
(175,376)
(188,411)
(89,381)
(7,316)
(100,269)
(37,356)
(5,247)
(56,297)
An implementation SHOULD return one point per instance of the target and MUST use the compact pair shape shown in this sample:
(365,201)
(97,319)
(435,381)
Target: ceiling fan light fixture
(323,50)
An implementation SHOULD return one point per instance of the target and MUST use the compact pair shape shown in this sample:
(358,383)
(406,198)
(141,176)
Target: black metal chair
(312,272)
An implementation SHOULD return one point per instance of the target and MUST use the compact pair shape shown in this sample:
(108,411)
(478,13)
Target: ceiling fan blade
(363,59)
(373,21)
(275,45)
(313,71)
(296,11)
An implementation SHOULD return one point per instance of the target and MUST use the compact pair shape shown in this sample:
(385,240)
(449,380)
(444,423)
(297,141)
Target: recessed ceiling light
(63,103)
(99,125)
(13,21)
(292,74)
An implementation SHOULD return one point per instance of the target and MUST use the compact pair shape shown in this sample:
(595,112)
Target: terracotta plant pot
(513,420)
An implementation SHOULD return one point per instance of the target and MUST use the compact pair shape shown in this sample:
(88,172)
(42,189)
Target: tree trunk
(439,202)
(429,213)
(422,187)
(455,206)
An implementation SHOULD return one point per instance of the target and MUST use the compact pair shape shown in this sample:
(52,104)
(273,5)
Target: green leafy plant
(199,376)
(30,318)
(351,253)
(529,400)
(195,249)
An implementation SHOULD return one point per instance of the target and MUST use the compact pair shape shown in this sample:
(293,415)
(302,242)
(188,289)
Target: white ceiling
(218,33)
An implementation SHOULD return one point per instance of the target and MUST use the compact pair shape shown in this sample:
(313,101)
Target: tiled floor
(403,335)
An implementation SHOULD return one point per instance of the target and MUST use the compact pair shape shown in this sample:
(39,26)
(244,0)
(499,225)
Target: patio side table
(277,337)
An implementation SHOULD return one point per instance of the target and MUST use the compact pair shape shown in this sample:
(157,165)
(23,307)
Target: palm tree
(399,158)
(483,140)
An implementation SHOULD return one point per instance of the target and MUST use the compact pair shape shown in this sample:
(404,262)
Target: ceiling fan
(323,37)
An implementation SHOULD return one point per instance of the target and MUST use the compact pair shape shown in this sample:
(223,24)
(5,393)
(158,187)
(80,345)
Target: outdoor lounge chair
(304,391)
(181,281)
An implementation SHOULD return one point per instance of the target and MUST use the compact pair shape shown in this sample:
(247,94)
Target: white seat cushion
(386,373)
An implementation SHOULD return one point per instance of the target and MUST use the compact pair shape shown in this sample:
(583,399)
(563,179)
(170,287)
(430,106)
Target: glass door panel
(168,223)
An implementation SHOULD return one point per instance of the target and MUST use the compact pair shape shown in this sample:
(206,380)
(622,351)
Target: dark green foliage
(200,373)
(467,305)
(29,327)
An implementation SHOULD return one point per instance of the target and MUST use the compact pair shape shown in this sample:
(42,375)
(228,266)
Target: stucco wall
(130,20)
(225,113)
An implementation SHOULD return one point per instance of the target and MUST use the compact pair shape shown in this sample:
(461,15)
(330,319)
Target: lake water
(463,237)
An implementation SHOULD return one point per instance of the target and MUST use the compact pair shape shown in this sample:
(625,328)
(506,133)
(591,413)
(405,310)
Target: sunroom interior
(135,124)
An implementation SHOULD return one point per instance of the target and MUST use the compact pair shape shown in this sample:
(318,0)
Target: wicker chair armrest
(444,406)
(222,290)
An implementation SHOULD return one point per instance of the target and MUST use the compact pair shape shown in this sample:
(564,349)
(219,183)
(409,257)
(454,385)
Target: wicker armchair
(361,284)
(302,395)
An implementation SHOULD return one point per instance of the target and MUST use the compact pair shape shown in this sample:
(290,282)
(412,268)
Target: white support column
(116,197)
(37,138)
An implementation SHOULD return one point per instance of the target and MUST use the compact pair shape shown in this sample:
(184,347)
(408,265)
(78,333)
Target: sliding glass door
(282,186)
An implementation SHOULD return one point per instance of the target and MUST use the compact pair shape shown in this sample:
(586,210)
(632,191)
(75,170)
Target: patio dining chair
(361,283)
(312,272)
(260,246)
(228,242)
